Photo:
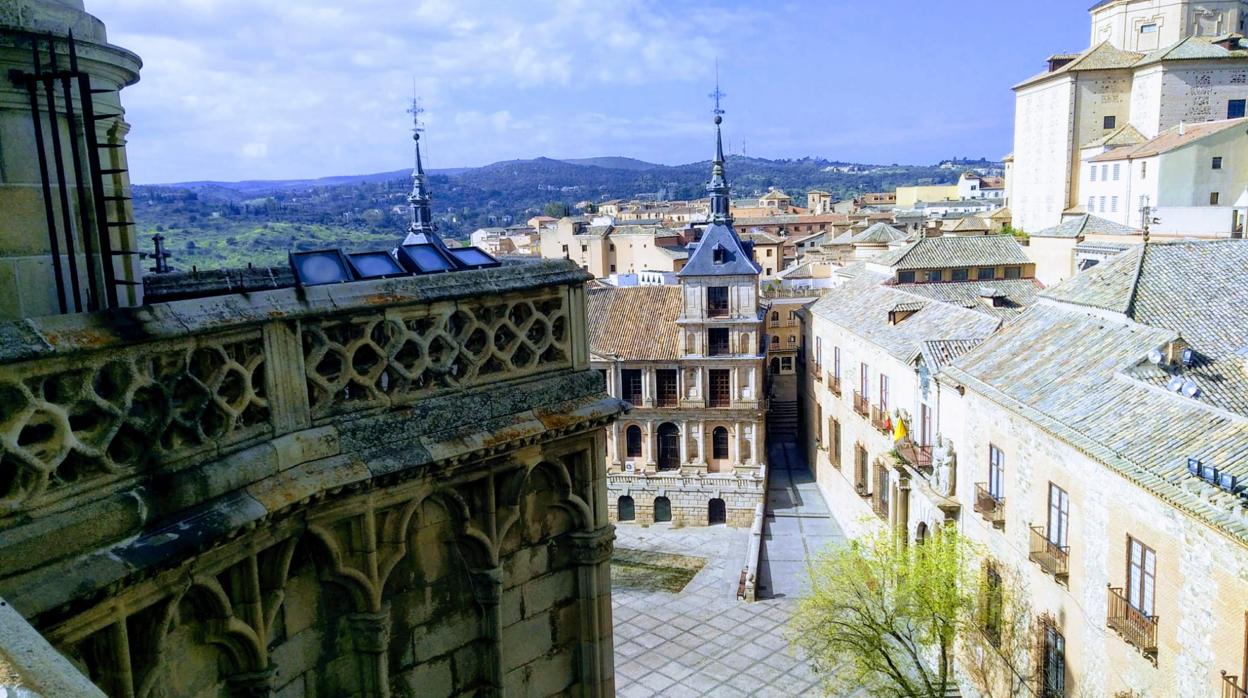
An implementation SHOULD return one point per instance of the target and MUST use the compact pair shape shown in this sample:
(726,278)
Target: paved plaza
(702,641)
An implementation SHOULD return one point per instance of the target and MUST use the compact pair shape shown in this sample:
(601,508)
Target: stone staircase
(782,418)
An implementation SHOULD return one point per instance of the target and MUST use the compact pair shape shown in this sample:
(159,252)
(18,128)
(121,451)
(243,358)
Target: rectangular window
(630,380)
(1113,204)
(996,473)
(925,425)
(584,248)
(1094,173)
(1141,576)
(612,268)
(1213,198)
(836,363)
(1150,28)
(1105,172)
(1091,204)
(818,353)
(1102,204)
(905,277)
(1013,272)
(1144,170)
(834,448)
(985,274)
(720,381)
(1053,671)
(717,341)
(961,274)
(883,393)
(1217,163)
(1117,170)
(860,469)
(933,276)
(864,381)
(1059,516)
(1235,109)
(717,301)
(993,604)
(1111,121)
(667,393)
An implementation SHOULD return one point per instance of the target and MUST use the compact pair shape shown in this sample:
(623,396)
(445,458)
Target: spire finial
(718,187)
(416,110)
(422,228)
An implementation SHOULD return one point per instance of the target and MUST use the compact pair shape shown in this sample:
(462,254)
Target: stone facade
(384,488)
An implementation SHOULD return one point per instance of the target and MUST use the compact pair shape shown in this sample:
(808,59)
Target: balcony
(1053,559)
(919,457)
(1132,624)
(718,312)
(880,420)
(834,385)
(1232,688)
(989,505)
(817,374)
(861,405)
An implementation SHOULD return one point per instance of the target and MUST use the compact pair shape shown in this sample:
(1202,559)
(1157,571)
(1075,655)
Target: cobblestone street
(702,641)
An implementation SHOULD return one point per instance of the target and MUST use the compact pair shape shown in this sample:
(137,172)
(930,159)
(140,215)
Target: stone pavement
(702,641)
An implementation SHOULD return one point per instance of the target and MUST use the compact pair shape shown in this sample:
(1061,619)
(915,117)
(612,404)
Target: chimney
(1182,128)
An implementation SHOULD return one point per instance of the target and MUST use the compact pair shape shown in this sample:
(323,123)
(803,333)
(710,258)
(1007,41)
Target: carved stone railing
(89,403)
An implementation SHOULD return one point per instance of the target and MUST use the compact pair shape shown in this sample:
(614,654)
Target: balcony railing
(715,312)
(719,399)
(1136,627)
(834,384)
(920,457)
(818,373)
(1232,688)
(861,405)
(1053,559)
(988,505)
(879,418)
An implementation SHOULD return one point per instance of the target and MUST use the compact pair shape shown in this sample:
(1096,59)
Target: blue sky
(263,89)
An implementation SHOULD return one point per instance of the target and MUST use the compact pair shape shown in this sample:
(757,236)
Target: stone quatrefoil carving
(376,358)
(65,422)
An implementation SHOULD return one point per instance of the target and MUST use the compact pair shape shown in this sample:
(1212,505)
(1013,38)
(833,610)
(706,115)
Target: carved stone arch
(568,499)
(327,555)
(243,649)
(558,496)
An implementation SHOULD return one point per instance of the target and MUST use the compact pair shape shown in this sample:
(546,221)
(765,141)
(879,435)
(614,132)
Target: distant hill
(213,224)
(614,163)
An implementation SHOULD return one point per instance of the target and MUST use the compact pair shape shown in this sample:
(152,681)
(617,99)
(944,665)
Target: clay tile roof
(1084,224)
(1171,139)
(635,323)
(955,251)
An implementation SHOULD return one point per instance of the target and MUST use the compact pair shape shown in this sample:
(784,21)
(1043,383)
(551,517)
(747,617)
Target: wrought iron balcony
(919,457)
(861,405)
(988,505)
(834,385)
(879,419)
(1135,626)
(1232,688)
(1053,559)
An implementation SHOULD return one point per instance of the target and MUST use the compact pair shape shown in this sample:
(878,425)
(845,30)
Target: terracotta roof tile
(635,323)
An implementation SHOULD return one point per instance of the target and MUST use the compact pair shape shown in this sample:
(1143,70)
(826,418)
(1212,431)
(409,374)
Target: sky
(295,89)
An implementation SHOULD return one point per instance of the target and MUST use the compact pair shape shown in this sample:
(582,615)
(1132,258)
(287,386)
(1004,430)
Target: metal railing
(988,505)
(1231,687)
(1135,626)
(1052,558)
(861,405)
(817,374)
(834,384)
(920,457)
(879,418)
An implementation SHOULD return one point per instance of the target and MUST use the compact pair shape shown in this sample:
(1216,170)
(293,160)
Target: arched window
(632,442)
(719,443)
(662,509)
(716,512)
(920,533)
(775,316)
(626,509)
(775,340)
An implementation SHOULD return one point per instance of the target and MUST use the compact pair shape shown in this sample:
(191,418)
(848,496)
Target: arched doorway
(662,509)
(920,534)
(632,442)
(775,366)
(668,446)
(716,512)
(626,509)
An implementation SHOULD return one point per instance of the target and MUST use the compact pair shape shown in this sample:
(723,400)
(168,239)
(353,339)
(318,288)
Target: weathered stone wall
(384,488)
(689,497)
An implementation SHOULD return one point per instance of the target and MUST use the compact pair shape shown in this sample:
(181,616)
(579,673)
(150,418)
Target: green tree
(885,616)
(557,209)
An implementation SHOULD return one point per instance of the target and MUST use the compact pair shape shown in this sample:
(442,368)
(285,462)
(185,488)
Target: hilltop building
(690,359)
(1153,67)
(341,478)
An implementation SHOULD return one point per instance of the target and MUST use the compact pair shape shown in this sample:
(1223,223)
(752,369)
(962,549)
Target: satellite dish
(1155,356)
(1190,388)
(1175,384)
(1188,357)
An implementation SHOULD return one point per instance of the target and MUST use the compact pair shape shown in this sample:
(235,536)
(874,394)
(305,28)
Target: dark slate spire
(422,228)
(718,188)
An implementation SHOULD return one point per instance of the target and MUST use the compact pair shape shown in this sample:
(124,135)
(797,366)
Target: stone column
(616,447)
(370,638)
(487,587)
(647,387)
(754,436)
(701,427)
(684,443)
(648,445)
(734,445)
(591,552)
(751,384)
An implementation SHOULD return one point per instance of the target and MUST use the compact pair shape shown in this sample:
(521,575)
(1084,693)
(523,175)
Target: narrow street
(798,524)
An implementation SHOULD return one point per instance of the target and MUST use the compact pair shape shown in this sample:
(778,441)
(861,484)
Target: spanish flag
(899,430)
